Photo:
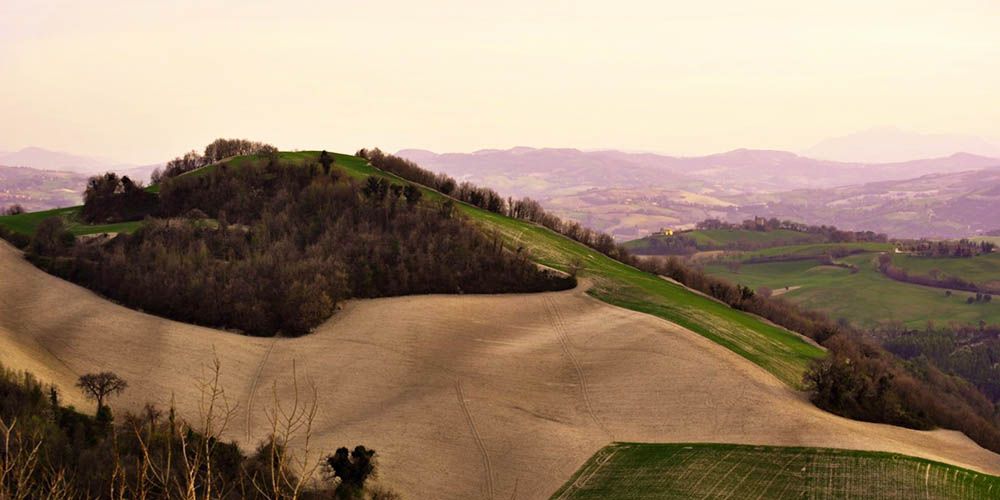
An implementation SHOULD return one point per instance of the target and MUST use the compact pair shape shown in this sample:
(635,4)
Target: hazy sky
(142,81)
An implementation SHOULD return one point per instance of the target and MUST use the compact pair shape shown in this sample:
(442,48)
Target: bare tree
(98,386)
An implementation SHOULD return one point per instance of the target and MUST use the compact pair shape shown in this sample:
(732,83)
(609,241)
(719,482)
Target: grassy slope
(635,471)
(26,223)
(981,269)
(865,298)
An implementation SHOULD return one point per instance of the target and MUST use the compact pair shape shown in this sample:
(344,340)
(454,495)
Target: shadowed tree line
(272,247)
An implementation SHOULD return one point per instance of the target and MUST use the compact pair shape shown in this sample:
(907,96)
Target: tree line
(272,247)
(217,150)
(963,248)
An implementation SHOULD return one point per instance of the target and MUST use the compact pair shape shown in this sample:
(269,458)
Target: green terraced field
(983,269)
(648,471)
(865,298)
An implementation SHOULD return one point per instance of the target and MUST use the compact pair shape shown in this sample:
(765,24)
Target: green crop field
(781,352)
(640,471)
(865,298)
(724,237)
(26,223)
(982,269)
(815,250)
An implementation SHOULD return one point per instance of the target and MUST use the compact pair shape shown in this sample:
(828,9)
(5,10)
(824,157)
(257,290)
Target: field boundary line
(587,474)
(487,463)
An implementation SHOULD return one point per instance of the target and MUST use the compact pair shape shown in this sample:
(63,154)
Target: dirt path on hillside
(781,291)
(462,396)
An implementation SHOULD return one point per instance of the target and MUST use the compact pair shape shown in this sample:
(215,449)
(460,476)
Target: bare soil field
(462,396)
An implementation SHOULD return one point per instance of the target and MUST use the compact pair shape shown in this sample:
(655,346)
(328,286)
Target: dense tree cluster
(109,198)
(973,352)
(488,199)
(283,244)
(218,150)
(948,248)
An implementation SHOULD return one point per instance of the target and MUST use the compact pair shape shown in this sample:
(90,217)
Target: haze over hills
(45,159)
(890,144)
(35,189)
(943,205)
(632,194)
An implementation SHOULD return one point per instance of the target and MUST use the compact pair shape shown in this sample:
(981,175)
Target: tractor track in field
(253,385)
(559,326)
(487,463)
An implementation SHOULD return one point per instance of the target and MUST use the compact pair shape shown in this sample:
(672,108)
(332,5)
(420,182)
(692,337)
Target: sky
(144,81)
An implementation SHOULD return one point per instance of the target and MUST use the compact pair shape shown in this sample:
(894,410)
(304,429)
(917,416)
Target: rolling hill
(475,396)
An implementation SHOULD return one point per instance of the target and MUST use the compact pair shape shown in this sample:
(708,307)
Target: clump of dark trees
(218,150)
(272,247)
(109,198)
(49,450)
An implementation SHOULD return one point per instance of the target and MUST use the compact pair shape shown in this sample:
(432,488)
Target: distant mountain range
(529,171)
(890,144)
(44,159)
(632,194)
